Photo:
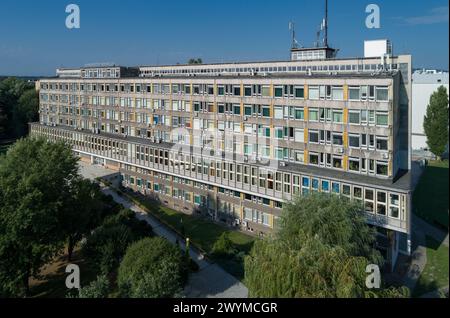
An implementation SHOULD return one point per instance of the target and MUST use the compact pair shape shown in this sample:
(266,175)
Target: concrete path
(211,281)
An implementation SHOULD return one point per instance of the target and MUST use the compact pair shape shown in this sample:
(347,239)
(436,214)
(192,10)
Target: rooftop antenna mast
(325,40)
(294,40)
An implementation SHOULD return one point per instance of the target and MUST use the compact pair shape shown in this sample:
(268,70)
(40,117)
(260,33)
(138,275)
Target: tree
(34,177)
(82,212)
(11,89)
(106,246)
(27,110)
(435,122)
(224,247)
(195,61)
(334,220)
(152,268)
(321,249)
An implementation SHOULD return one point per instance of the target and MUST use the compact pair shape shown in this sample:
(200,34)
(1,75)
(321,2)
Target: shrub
(140,229)
(106,246)
(99,288)
(152,268)
(223,247)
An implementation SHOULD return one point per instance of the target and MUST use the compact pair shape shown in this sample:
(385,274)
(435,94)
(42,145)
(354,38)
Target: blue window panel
(336,187)
(315,184)
(325,186)
(305,182)
(305,191)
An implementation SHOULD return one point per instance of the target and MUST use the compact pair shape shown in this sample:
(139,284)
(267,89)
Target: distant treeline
(19,105)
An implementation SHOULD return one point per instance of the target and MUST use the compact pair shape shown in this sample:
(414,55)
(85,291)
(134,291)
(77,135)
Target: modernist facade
(236,141)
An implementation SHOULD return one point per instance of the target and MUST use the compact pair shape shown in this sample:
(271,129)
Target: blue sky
(35,41)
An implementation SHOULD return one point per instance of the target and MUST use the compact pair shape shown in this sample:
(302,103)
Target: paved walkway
(211,281)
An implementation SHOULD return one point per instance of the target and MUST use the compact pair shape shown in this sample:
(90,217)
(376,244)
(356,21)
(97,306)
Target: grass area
(52,280)
(430,198)
(435,274)
(201,232)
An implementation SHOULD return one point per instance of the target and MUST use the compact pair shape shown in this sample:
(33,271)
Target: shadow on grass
(51,282)
(430,199)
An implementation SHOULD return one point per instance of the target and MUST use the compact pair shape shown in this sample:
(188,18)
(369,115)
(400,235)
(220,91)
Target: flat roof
(232,63)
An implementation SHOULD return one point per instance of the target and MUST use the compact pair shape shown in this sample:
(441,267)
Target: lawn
(202,233)
(430,198)
(435,274)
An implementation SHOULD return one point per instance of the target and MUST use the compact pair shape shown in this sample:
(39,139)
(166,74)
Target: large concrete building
(233,142)
(425,83)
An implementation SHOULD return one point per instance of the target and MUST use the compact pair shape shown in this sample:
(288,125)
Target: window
(382,168)
(299,92)
(266,91)
(346,190)
(314,137)
(353,164)
(357,192)
(237,91)
(278,91)
(394,203)
(337,139)
(382,94)
(299,135)
(314,159)
(247,91)
(354,93)
(382,143)
(266,111)
(381,202)
(337,162)
(299,156)
(335,187)
(337,116)
(325,186)
(248,110)
(279,132)
(299,114)
(354,141)
(314,92)
(313,115)
(382,118)
(237,109)
(278,112)
(354,117)
(337,93)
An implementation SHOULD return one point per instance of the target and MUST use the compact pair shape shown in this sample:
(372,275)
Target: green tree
(34,177)
(321,249)
(334,220)
(152,268)
(106,246)
(139,228)
(26,110)
(224,247)
(435,122)
(195,61)
(11,89)
(82,212)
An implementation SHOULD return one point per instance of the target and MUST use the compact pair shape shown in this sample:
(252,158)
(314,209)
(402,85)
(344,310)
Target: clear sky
(35,41)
